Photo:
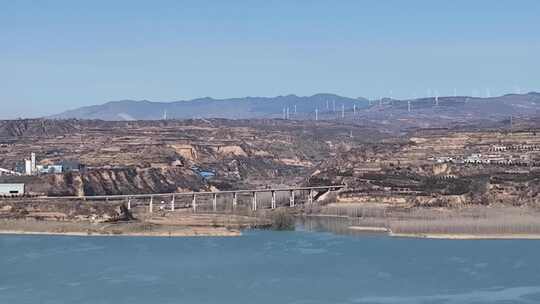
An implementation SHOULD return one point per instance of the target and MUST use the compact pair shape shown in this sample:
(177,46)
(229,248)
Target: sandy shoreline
(475,224)
(445,236)
(467,236)
(222,232)
(171,225)
(369,229)
(187,233)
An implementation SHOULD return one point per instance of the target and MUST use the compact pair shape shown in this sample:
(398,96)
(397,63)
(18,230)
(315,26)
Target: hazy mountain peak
(206,107)
(303,107)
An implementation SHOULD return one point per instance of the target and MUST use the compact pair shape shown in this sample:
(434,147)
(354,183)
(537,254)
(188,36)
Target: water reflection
(334,224)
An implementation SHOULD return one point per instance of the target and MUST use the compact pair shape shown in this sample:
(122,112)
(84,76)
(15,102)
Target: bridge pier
(129,204)
(214,202)
(273,199)
(310,197)
(254,201)
(172,203)
(234,200)
(151,206)
(291,198)
(194,203)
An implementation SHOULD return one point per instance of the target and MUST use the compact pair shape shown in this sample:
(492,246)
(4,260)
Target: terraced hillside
(441,168)
(167,156)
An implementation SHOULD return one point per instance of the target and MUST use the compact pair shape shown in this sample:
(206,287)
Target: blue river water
(267,267)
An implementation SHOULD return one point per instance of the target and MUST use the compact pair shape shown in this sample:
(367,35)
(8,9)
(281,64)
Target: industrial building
(46,169)
(72,166)
(30,167)
(11,189)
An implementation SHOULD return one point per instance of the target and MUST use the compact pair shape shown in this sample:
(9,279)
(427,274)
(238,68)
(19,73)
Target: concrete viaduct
(313,192)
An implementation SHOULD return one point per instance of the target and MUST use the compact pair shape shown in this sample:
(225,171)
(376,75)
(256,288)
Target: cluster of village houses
(519,157)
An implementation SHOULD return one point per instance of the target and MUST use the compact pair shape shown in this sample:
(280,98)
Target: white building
(476,159)
(30,165)
(27,167)
(445,159)
(11,189)
(49,169)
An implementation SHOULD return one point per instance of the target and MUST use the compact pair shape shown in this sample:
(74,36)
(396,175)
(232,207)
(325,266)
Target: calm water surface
(267,267)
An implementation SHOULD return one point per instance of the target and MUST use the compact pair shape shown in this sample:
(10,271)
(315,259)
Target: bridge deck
(176,194)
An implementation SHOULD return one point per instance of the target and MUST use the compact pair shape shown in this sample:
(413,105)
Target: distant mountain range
(233,108)
(328,106)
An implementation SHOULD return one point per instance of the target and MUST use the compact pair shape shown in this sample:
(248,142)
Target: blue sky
(58,55)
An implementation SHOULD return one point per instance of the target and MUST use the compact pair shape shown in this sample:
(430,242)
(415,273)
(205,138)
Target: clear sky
(58,55)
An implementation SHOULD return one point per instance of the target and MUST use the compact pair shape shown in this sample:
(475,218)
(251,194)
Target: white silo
(33,162)
(28,167)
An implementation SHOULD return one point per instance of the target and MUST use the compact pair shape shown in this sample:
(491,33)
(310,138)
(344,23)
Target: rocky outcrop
(37,127)
(121,181)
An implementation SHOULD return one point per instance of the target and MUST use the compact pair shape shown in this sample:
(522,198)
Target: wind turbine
(511,123)
(409,102)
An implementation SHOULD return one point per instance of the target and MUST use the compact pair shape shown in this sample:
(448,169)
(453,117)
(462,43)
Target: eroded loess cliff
(118,181)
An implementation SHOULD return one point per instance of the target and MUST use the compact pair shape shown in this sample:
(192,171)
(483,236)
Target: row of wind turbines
(432,94)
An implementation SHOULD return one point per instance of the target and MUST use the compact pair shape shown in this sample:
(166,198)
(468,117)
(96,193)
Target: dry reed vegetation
(471,220)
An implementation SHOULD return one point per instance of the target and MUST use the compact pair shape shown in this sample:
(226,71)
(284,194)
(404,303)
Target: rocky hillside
(440,169)
(174,155)
(117,181)
(37,127)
